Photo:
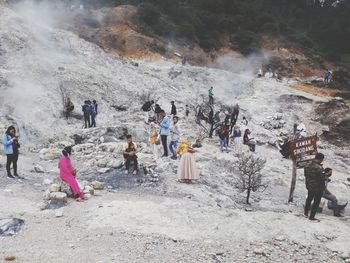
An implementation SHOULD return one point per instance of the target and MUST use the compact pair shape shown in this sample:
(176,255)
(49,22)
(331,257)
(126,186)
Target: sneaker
(10,176)
(314,219)
(135,172)
(126,172)
(338,215)
(306,215)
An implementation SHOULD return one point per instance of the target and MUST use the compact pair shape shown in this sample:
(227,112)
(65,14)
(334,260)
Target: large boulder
(58,196)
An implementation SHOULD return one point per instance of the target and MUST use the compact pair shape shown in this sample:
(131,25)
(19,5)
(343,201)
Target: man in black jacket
(315,182)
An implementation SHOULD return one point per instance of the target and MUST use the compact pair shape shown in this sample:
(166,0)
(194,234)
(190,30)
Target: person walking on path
(174,136)
(130,155)
(211,96)
(11,146)
(187,171)
(164,131)
(173,109)
(315,185)
(68,173)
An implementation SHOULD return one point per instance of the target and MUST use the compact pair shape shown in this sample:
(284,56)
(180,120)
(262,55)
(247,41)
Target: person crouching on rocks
(187,171)
(129,152)
(68,173)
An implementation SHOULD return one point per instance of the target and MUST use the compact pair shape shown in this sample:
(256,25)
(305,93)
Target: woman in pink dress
(67,173)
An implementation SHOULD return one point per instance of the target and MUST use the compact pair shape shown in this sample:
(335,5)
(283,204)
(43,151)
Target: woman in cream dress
(187,170)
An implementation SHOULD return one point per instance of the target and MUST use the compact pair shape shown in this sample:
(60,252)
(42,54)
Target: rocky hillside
(152,216)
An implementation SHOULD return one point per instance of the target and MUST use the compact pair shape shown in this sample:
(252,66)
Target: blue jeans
(173,146)
(223,144)
(332,198)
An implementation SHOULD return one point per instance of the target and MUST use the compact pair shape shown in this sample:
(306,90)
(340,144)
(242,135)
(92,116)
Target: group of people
(316,182)
(164,127)
(89,110)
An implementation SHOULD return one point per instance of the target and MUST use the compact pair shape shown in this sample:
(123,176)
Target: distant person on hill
(222,133)
(86,113)
(183,61)
(175,133)
(68,107)
(173,109)
(187,110)
(68,173)
(157,110)
(147,107)
(315,185)
(244,124)
(187,171)
(164,131)
(327,76)
(211,96)
(93,112)
(11,149)
(331,197)
(130,155)
(237,140)
(249,141)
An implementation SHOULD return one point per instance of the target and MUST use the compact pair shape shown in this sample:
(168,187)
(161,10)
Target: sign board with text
(303,150)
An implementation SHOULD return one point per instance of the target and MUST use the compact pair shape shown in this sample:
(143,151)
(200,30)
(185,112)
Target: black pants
(211,100)
(165,144)
(93,121)
(316,197)
(87,120)
(11,158)
(128,160)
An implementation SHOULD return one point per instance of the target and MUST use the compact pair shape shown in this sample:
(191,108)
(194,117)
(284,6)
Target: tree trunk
(292,185)
(211,130)
(248,195)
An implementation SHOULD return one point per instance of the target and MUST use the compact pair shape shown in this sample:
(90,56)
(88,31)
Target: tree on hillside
(205,116)
(250,178)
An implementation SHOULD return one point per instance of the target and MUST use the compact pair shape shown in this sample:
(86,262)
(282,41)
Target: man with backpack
(86,112)
(147,107)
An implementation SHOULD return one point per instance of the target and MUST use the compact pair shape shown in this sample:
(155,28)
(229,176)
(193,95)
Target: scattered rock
(280,238)
(54,204)
(97,185)
(54,188)
(259,251)
(47,181)
(10,226)
(89,190)
(9,258)
(59,212)
(103,170)
(38,169)
(58,196)
(248,209)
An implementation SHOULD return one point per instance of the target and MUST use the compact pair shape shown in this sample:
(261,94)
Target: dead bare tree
(250,178)
(205,113)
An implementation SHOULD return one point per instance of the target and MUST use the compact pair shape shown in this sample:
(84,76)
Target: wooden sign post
(302,152)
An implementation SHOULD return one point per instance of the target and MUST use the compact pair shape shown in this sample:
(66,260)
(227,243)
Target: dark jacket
(173,109)
(315,180)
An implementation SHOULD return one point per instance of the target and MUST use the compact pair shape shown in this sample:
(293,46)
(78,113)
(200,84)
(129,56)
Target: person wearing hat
(68,173)
(173,109)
